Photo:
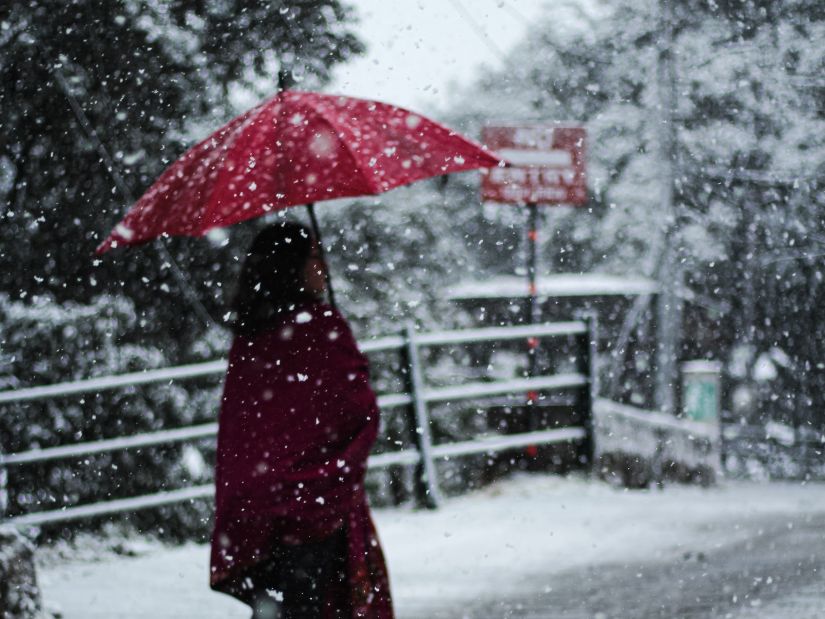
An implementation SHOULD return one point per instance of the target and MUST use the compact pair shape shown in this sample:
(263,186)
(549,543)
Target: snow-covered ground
(515,540)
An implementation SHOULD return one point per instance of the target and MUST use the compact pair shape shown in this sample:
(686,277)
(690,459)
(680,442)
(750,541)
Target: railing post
(396,473)
(427,493)
(589,350)
(533,313)
(657,463)
(4,489)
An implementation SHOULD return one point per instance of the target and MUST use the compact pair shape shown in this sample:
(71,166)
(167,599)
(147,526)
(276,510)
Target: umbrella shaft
(317,232)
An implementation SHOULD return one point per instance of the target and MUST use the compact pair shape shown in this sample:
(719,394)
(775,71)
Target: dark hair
(272,277)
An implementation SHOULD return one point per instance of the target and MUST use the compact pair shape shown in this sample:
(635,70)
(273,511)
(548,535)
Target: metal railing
(656,438)
(416,398)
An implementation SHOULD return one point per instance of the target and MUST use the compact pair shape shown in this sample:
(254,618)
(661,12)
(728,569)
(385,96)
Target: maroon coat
(296,426)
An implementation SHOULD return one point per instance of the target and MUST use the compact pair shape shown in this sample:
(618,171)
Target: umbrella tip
(285,79)
(103,247)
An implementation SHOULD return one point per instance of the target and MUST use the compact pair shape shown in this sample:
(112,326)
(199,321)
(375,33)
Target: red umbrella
(295,148)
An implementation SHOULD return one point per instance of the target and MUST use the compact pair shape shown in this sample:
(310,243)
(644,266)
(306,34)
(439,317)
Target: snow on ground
(500,541)
(806,603)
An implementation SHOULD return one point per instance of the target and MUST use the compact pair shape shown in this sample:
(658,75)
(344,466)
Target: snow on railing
(407,457)
(658,420)
(144,377)
(417,398)
(208,430)
(486,334)
(104,383)
(656,437)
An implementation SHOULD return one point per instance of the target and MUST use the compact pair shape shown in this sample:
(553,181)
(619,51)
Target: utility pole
(669,310)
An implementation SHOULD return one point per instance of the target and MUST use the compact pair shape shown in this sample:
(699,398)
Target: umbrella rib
(240,124)
(369,180)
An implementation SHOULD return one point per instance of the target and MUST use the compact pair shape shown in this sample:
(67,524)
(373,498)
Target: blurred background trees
(149,78)
(750,207)
(97,98)
(748,227)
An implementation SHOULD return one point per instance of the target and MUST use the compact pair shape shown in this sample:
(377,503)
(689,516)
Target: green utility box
(701,390)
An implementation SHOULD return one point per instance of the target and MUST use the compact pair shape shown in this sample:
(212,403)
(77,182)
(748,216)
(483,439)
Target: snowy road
(534,546)
(778,572)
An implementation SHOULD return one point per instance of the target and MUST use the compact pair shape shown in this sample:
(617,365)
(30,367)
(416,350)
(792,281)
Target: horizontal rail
(146,439)
(658,420)
(194,370)
(381,344)
(487,334)
(104,383)
(135,441)
(112,507)
(734,431)
(208,368)
(394,400)
(519,385)
(390,400)
(493,444)
(391,458)
(406,456)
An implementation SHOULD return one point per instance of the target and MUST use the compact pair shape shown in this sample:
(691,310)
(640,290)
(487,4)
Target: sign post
(546,166)
(533,316)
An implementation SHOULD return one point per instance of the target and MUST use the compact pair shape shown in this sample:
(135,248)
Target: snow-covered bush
(43,342)
(19,593)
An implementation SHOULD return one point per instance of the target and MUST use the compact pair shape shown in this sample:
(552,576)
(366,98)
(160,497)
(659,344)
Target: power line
(479,30)
(515,13)
(488,41)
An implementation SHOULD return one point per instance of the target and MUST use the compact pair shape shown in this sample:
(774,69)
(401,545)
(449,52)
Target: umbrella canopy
(295,148)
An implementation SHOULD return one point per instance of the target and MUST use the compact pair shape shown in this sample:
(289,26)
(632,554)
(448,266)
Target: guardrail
(416,398)
(655,439)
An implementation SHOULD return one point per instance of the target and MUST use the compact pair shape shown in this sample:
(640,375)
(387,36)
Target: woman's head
(282,269)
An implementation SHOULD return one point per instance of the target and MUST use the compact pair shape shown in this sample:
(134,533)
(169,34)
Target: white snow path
(500,540)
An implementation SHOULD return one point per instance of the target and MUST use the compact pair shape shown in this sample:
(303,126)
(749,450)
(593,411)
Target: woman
(293,535)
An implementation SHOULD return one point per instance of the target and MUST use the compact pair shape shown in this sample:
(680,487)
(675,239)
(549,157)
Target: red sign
(547,165)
